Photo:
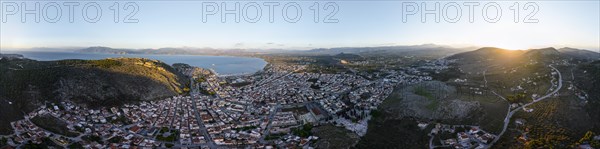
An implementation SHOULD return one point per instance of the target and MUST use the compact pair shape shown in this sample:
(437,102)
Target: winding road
(511,113)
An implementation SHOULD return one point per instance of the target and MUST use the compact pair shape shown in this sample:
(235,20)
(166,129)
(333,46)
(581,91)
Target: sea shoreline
(222,66)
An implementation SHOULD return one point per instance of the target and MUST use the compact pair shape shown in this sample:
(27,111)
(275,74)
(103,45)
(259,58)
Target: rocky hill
(26,84)
(470,96)
(510,73)
(429,100)
(497,54)
(581,54)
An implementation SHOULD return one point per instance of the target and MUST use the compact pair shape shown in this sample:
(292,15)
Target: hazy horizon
(73,49)
(359,24)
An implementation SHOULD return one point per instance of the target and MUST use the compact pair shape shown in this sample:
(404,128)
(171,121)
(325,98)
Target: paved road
(431,141)
(209,141)
(269,125)
(484,78)
(277,78)
(511,113)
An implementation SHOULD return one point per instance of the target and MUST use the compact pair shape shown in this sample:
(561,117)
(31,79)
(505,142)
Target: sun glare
(511,46)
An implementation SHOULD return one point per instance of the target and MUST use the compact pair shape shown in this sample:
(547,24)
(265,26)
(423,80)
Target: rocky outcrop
(128,79)
(429,100)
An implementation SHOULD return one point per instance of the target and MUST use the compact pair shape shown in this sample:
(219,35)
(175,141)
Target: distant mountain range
(320,51)
(389,49)
(411,50)
(173,51)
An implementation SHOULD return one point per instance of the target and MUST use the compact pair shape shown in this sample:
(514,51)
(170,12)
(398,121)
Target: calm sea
(224,65)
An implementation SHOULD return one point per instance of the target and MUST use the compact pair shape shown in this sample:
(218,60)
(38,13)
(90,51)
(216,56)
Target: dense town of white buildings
(217,113)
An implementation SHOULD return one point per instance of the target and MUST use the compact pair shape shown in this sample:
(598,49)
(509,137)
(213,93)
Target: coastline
(230,65)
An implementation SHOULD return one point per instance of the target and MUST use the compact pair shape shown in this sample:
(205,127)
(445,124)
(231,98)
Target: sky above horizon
(359,23)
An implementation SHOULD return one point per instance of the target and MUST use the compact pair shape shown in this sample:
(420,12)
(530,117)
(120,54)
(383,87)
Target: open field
(334,137)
